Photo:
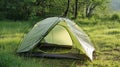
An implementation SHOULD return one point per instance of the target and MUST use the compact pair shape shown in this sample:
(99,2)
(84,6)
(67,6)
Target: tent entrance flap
(58,35)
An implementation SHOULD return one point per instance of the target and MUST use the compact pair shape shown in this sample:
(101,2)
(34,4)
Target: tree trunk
(43,8)
(89,10)
(76,8)
(67,9)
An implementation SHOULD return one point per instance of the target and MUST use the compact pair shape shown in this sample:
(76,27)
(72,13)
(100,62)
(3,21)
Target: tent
(60,31)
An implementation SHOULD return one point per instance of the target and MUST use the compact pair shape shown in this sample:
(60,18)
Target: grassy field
(105,36)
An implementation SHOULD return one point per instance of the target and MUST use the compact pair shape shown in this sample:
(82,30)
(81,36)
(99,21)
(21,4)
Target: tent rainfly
(57,30)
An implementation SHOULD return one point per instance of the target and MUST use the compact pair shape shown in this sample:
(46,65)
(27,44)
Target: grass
(105,36)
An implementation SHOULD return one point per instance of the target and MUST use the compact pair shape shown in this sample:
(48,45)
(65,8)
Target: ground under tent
(55,34)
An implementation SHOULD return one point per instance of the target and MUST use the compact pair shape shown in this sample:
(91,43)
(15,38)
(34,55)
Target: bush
(115,17)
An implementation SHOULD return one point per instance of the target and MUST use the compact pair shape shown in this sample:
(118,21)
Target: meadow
(104,34)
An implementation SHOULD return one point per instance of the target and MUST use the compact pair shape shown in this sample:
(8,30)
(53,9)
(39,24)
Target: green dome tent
(57,30)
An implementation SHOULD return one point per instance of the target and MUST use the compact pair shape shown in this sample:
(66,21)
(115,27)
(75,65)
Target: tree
(91,5)
(76,8)
(67,9)
(25,9)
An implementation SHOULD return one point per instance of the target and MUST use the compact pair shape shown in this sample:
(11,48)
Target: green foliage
(115,17)
(87,8)
(14,10)
(32,9)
